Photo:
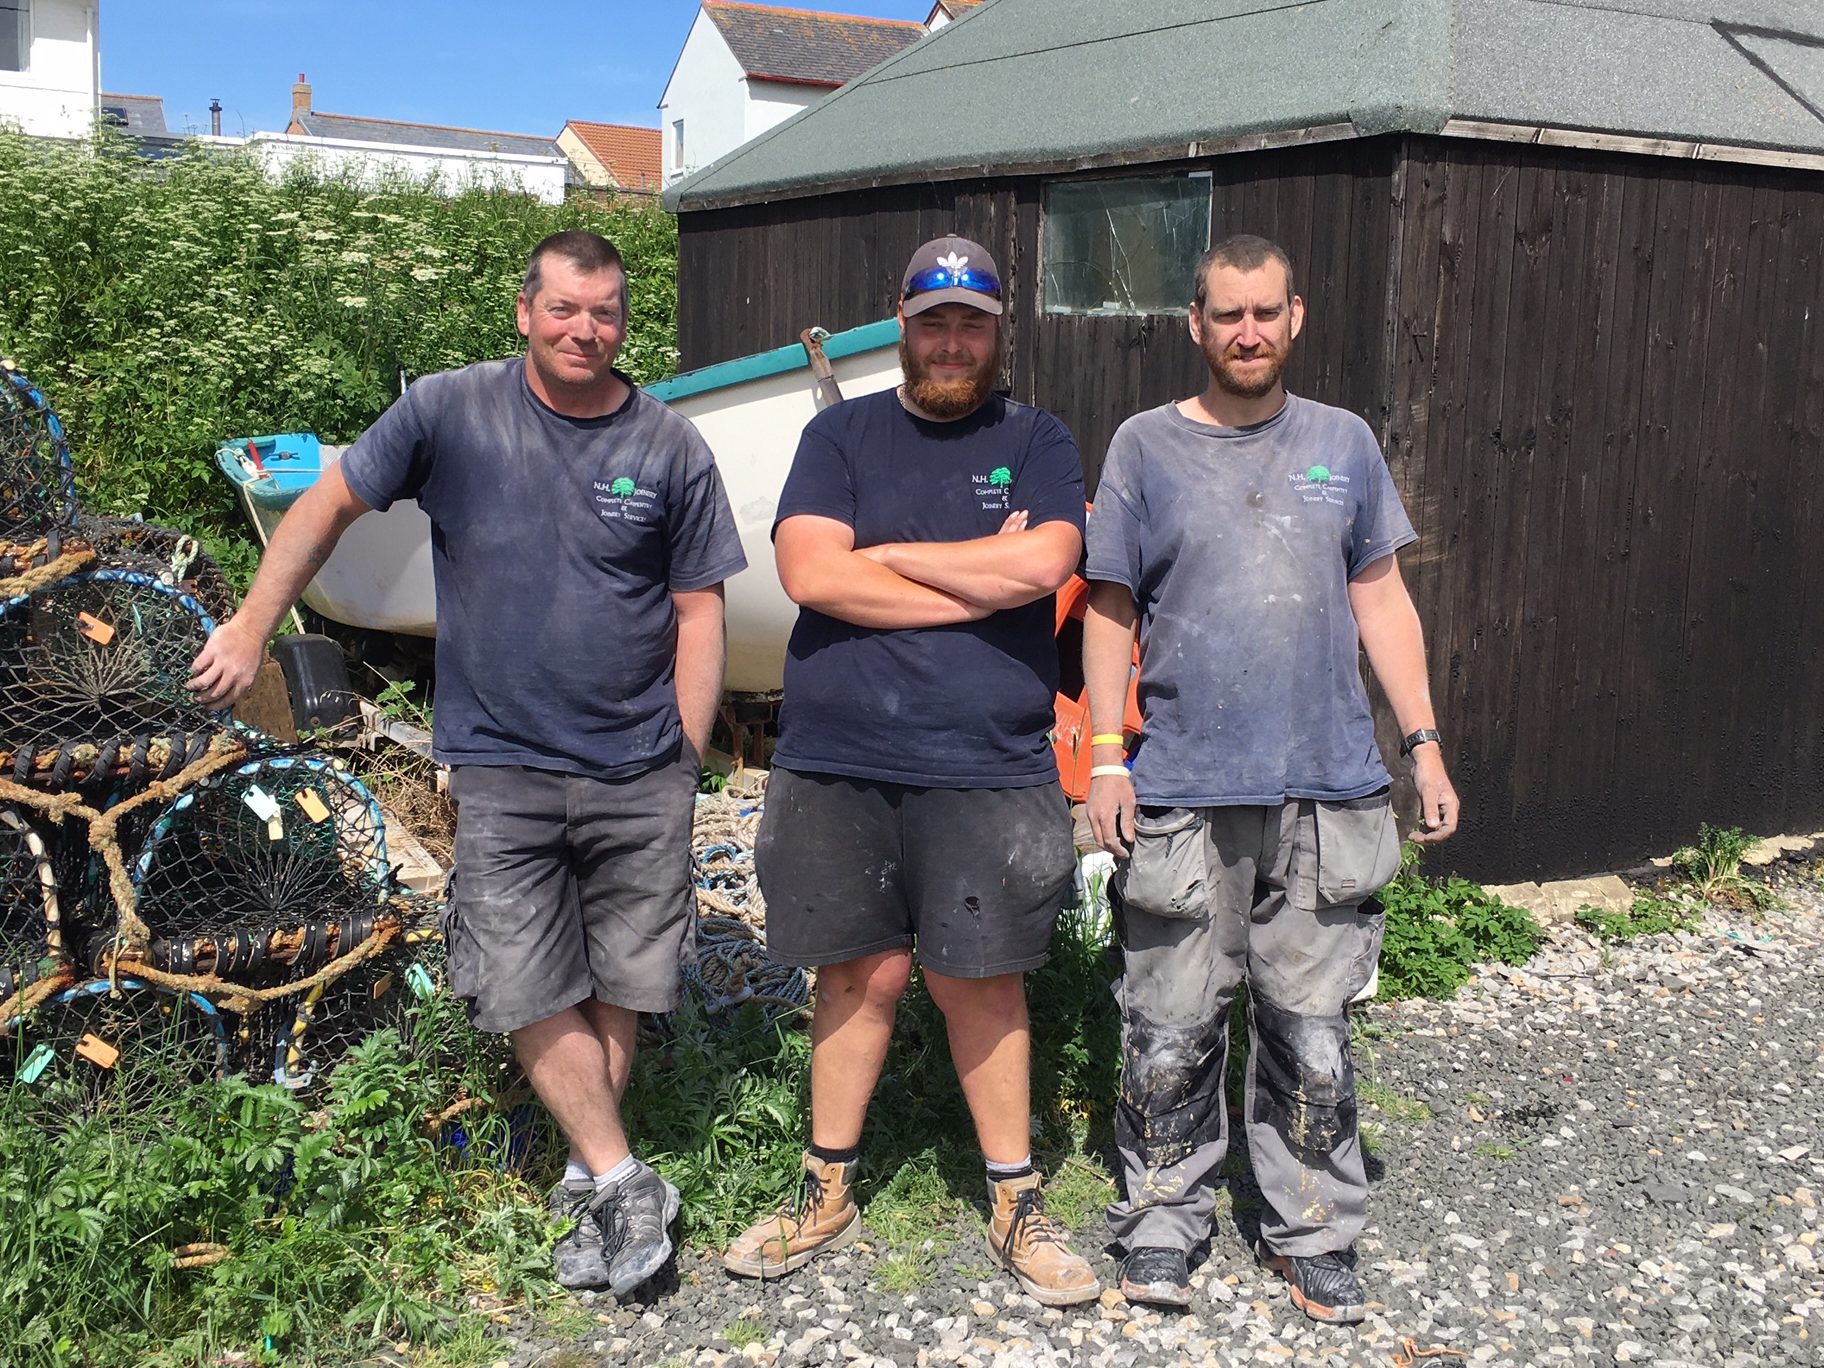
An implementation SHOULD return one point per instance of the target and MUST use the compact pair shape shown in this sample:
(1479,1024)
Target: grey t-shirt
(556,544)
(1238,545)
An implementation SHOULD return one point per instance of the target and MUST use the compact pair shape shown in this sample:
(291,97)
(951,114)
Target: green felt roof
(1036,84)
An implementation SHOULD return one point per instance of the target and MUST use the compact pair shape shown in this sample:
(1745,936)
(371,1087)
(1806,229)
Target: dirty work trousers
(1280,896)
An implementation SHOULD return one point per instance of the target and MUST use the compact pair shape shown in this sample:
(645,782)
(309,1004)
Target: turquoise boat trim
(293,461)
(868,337)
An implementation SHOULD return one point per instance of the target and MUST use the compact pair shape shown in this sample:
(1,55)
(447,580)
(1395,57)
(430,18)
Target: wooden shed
(1563,255)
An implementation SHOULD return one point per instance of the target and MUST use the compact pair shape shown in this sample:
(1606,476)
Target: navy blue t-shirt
(556,544)
(964,706)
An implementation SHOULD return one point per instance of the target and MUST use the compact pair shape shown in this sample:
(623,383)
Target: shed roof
(138,115)
(807,47)
(634,156)
(355,129)
(1038,84)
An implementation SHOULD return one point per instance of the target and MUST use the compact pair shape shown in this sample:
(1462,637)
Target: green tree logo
(1000,477)
(621,488)
(1318,474)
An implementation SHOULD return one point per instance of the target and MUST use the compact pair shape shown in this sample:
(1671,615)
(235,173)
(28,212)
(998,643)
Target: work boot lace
(1030,1221)
(612,1217)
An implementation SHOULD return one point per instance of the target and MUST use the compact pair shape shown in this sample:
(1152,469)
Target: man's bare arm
(1009,570)
(820,569)
(1108,664)
(702,657)
(1395,643)
(224,669)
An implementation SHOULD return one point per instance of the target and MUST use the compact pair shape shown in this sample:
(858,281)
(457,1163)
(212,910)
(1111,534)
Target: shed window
(15,34)
(1126,246)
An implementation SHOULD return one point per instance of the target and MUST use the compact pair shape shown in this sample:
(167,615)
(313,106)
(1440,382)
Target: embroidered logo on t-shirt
(994,488)
(623,500)
(1319,484)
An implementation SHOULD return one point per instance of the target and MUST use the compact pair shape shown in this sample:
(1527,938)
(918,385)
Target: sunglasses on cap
(943,278)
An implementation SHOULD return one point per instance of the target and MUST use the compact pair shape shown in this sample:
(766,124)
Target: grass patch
(1393,1105)
(744,1332)
(1077,1190)
(1498,1150)
(1713,869)
(1374,1137)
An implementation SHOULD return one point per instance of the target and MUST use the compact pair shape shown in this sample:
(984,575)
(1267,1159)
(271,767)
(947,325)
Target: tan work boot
(824,1217)
(1023,1240)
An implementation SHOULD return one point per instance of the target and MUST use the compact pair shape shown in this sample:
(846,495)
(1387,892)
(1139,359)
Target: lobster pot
(173,558)
(31,935)
(278,865)
(93,671)
(37,481)
(120,1049)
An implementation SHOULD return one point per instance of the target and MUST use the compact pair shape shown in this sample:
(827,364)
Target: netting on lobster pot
(93,671)
(31,932)
(37,482)
(278,865)
(173,558)
(117,1049)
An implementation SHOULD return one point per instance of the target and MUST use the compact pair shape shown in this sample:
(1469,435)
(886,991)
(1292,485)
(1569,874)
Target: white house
(745,68)
(50,65)
(376,148)
(944,11)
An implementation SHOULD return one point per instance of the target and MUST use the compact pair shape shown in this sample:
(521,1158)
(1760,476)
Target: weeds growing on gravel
(1649,916)
(1437,929)
(1713,868)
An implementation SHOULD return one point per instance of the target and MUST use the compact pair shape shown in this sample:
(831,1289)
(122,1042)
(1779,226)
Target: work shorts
(973,878)
(568,888)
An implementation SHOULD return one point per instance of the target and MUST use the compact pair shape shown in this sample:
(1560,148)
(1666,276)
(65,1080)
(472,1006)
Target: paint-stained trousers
(1279,896)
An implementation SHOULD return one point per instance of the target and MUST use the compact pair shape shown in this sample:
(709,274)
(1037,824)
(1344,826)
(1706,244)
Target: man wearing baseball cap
(914,807)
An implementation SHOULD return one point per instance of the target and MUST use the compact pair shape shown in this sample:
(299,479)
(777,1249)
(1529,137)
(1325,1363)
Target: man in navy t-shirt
(580,537)
(914,804)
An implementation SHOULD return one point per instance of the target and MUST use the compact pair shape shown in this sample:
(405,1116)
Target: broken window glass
(1127,246)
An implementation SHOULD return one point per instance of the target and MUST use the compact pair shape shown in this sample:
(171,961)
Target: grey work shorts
(568,888)
(851,867)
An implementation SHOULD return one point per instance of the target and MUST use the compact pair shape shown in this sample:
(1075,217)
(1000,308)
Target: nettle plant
(163,305)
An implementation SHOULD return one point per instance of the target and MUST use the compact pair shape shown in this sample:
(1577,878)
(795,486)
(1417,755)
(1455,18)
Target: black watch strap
(1419,738)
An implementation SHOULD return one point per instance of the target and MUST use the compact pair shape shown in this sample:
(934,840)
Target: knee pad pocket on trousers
(1171,1086)
(1306,1079)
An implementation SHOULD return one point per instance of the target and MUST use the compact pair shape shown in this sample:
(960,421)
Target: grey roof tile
(138,115)
(424,135)
(806,46)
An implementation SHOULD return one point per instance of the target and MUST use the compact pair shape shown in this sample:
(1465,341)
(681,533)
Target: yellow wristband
(1105,771)
(1107,739)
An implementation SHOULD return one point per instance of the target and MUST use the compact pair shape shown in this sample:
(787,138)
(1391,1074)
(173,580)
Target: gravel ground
(1619,1159)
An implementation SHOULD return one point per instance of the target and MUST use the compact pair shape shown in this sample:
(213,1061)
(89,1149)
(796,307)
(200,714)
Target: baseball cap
(951,270)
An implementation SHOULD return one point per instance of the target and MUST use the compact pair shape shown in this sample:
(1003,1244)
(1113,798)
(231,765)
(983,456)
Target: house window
(15,34)
(1127,246)
(677,144)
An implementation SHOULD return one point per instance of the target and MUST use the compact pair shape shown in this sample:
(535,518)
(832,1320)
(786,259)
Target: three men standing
(914,805)
(1250,536)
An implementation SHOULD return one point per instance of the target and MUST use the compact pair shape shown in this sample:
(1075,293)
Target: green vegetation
(1649,916)
(1395,1106)
(1713,868)
(1438,929)
(319,1225)
(744,1332)
(163,305)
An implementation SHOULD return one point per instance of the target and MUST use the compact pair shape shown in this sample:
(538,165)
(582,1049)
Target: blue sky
(501,66)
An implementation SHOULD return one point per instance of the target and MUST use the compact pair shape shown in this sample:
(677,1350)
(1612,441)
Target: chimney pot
(215,118)
(300,98)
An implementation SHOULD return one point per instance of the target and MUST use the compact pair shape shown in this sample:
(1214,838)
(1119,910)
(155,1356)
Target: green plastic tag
(420,981)
(36,1063)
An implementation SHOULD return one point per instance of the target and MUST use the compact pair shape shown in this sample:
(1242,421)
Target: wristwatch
(1419,738)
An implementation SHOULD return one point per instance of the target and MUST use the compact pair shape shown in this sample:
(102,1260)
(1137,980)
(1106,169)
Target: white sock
(1009,1170)
(620,1173)
(576,1171)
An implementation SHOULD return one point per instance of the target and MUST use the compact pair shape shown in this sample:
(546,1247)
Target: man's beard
(947,399)
(1250,386)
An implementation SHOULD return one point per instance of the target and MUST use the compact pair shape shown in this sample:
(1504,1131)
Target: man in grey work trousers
(1251,536)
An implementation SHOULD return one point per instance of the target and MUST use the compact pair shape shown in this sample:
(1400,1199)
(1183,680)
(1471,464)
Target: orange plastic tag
(94,629)
(382,986)
(97,1051)
(312,805)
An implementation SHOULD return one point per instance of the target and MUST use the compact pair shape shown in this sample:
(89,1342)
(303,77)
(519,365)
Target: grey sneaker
(1324,1286)
(578,1255)
(634,1217)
